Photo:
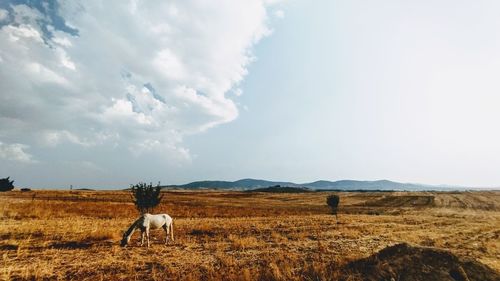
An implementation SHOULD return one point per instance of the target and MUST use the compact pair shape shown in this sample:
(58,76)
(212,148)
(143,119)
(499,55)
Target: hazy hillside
(281,189)
(354,184)
(317,185)
(239,184)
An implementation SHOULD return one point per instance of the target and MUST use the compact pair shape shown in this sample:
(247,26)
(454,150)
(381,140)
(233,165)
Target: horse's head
(124,241)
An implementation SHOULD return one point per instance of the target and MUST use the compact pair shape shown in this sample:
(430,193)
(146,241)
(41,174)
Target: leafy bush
(146,196)
(6,184)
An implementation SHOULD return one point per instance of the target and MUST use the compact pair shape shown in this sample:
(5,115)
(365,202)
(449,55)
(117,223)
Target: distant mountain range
(248,184)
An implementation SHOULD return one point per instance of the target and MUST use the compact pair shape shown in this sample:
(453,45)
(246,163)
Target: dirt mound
(407,263)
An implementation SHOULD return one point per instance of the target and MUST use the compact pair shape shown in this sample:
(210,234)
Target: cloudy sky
(110,93)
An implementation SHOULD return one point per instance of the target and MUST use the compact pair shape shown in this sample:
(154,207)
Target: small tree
(6,184)
(146,196)
(333,201)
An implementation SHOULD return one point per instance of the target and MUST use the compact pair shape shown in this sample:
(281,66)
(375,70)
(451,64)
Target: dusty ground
(236,235)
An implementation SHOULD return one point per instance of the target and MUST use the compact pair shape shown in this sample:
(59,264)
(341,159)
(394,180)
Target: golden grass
(60,235)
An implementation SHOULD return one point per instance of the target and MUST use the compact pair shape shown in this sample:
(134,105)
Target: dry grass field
(61,235)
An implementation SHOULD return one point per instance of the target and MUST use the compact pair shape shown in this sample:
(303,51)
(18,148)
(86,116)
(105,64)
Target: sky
(104,94)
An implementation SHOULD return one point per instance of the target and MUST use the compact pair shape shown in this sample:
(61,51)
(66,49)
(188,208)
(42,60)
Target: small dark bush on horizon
(333,201)
(6,184)
(146,196)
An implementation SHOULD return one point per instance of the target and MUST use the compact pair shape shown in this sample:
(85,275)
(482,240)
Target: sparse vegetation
(146,196)
(6,184)
(234,235)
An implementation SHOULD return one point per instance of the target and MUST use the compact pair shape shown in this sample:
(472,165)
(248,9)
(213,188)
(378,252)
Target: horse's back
(157,221)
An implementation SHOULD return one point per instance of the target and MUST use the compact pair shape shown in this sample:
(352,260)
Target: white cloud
(54,138)
(169,65)
(24,14)
(149,75)
(3,15)
(17,33)
(15,152)
(63,41)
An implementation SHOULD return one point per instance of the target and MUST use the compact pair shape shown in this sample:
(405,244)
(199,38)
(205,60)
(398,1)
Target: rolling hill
(246,184)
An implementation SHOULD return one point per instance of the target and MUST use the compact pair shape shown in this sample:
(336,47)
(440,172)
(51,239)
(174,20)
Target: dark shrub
(6,184)
(146,196)
(333,201)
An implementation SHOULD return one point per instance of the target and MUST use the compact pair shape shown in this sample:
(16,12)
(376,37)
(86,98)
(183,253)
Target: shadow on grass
(71,245)
(200,232)
(9,247)
(68,245)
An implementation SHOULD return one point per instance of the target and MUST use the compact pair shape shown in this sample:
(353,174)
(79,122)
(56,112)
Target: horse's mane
(132,227)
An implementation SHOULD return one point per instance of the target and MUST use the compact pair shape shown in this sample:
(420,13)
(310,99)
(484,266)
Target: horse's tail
(172,230)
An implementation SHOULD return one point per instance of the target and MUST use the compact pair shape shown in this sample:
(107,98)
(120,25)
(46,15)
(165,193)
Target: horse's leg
(166,233)
(172,230)
(147,235)
(142,237)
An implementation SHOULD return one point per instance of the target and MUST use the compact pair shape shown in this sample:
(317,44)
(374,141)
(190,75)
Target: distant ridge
(248,184)
(281,189)
(239,184)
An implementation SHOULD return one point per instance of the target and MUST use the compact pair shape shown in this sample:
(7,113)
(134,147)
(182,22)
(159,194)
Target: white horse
(147,222)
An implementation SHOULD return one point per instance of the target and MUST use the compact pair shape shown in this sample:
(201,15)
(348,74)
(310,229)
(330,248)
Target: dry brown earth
(236,235)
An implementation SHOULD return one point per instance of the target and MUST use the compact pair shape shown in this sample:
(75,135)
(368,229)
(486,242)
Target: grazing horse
(147,222)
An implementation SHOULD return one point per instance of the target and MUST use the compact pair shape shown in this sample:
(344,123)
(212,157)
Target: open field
(236,235)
